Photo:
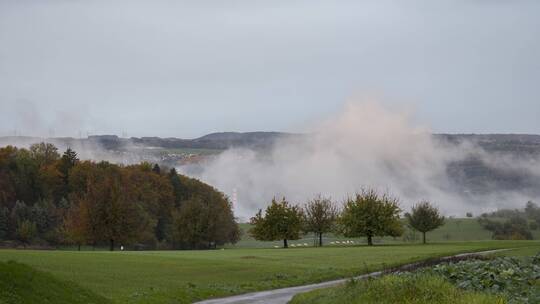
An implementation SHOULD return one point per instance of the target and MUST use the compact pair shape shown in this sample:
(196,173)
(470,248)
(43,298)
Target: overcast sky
(186,68)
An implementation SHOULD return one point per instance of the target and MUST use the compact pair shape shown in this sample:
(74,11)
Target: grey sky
(186,68)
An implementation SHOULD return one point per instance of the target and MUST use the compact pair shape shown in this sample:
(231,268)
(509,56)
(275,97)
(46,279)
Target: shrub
(514,228)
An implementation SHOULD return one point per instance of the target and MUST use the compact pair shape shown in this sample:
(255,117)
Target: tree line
(368,214)
(512,224)
(48,199)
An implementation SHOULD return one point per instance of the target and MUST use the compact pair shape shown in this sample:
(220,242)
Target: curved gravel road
(284,295)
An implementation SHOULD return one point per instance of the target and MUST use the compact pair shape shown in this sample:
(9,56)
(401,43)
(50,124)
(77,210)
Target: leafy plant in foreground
(517,279)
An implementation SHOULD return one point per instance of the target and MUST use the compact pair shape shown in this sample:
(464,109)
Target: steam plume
(366,145)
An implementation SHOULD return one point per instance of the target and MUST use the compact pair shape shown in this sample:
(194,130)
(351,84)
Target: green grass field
(454,230)
(184,276)
(250,265)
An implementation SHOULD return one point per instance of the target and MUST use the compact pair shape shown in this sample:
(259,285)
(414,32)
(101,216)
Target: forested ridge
(48,199)
(481,171)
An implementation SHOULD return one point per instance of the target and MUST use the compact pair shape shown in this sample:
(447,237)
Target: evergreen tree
(67,162)
(180,192)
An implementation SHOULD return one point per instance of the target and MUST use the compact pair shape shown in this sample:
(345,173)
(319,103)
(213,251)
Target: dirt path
(284,295)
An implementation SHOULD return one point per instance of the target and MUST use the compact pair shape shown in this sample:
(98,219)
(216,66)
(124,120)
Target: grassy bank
(184,276)
(21,284)
(395,289)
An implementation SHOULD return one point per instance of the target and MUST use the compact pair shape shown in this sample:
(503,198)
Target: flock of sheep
(331,243)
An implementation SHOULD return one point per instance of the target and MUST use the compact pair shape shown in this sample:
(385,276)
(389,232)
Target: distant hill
(471,175)
(220,141)
(518,144)
(515,143)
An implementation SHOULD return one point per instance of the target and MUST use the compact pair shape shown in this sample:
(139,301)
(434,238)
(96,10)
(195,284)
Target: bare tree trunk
(79,247)
(111,248)
(320,239)
(285,243)
(424,237)
(370,240)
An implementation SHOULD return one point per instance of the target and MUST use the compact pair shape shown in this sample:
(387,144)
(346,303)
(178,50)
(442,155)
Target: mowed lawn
(185,276)
(453,230)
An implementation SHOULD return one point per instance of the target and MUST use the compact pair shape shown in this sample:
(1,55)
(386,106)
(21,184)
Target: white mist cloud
(366,145)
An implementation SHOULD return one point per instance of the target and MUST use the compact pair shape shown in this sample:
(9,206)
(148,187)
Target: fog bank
(365,145)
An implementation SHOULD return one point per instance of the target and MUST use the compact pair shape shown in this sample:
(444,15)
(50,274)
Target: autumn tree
(281,221)
(8,194)
(119,219)
(26,231)
(51,185)
(76,227)
(44,153)
(371,214)
(154,193)
(205,220)
(69,201)
(25,177)
(425,217)
(320,216)
(4,223)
